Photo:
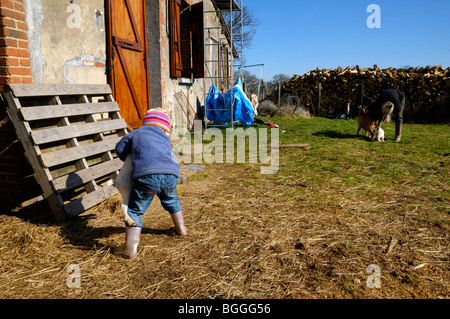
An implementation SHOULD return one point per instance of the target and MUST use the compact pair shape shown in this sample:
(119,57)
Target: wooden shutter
(185,33)
(176,65)
(198,46)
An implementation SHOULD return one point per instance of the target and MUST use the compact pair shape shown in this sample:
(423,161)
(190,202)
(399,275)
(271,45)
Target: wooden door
(127,58)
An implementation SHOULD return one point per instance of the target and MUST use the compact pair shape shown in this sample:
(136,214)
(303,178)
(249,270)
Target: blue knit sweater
(151,152)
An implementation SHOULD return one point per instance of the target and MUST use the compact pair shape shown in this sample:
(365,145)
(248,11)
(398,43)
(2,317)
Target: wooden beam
(78,152)
(20,90)
(66,132)
(81,204)
(83,176)
(33,113)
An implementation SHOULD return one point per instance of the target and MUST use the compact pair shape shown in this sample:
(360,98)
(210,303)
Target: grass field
(309,231)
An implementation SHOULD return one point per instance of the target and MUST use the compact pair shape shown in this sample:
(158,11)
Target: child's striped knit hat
(157,117)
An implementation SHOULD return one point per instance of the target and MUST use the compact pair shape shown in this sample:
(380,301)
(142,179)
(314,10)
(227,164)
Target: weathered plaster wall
(67,41)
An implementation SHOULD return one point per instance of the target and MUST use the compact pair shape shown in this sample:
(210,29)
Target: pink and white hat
(157,117)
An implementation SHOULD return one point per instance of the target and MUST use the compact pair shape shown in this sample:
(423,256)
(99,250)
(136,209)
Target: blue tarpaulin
(216,102)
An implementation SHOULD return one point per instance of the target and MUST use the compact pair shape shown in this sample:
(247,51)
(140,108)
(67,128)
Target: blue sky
(295,36)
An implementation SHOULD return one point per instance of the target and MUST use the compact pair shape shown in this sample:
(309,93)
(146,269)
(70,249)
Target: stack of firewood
(336,91)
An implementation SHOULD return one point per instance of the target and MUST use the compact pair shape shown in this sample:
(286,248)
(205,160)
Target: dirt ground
(249,237)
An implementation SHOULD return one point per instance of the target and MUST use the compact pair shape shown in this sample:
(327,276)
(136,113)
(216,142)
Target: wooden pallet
(69,133)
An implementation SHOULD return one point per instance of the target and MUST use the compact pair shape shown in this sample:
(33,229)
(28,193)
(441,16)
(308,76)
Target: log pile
(336,91)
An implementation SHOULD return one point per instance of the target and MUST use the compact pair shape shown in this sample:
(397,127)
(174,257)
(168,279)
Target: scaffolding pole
(222,54)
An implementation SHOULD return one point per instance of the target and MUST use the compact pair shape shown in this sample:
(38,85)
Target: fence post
(319,93)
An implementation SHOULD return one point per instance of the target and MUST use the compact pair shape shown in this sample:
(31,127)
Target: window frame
(186,62)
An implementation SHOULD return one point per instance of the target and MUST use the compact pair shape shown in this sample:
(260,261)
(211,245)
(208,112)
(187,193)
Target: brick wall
(14,56)
(17,183)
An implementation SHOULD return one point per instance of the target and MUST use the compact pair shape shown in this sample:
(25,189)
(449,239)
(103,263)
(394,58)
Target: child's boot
(130,248)
(178,221)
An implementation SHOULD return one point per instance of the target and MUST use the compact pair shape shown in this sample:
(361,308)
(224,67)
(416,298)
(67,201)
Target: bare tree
(249,24)
(251,83)
(278,78)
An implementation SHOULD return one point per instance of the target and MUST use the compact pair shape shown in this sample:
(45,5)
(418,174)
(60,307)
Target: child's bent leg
(138,205)
(171,203)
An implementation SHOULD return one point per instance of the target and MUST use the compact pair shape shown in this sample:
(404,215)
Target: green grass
(420,158)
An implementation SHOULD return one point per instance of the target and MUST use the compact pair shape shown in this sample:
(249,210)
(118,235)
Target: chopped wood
(342,90)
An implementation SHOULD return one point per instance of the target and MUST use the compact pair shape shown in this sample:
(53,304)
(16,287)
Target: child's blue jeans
(145,188)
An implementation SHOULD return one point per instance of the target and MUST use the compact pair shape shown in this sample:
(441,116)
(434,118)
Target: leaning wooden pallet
(69,132)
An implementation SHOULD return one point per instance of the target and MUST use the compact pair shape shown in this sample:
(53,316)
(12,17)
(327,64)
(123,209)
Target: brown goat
(366,122)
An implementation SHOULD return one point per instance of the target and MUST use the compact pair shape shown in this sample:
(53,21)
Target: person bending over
(390,102)
(155,172)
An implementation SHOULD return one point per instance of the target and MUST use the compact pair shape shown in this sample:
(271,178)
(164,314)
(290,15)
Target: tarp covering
(216,102)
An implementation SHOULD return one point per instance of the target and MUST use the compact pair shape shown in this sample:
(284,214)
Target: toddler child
(155,172)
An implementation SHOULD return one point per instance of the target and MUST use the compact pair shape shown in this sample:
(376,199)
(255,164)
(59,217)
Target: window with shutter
(186,38)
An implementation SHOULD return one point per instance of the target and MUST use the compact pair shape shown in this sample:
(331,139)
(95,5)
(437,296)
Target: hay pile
(289,106)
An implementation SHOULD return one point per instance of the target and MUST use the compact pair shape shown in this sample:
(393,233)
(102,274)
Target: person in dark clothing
(390,101)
